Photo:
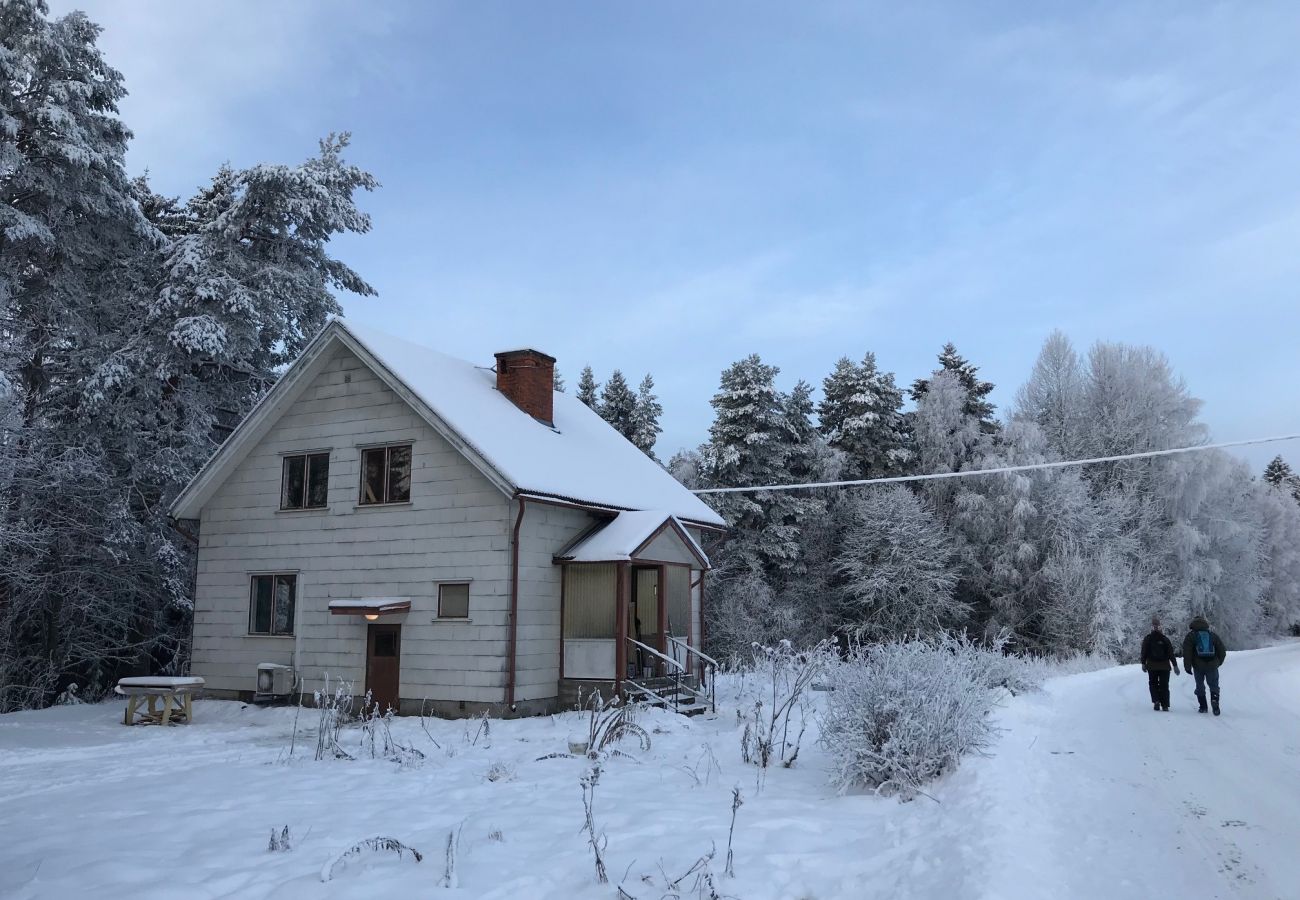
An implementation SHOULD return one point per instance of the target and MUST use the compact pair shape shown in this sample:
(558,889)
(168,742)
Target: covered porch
(630,609)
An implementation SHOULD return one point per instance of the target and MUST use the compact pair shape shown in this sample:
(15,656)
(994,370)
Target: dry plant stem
(596,842)
(736,802)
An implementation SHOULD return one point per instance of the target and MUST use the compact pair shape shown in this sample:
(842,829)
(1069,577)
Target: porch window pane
(590,601)
(677,586)
(645,605)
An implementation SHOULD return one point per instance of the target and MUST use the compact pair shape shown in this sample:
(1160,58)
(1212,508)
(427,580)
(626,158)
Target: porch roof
(627,536)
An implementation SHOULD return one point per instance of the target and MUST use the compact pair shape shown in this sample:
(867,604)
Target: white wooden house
(439,533)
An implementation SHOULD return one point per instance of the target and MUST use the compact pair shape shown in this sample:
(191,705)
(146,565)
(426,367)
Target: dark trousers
(1159,684)
(1207,675)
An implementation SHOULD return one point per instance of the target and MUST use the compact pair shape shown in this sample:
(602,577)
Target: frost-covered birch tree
(897,565)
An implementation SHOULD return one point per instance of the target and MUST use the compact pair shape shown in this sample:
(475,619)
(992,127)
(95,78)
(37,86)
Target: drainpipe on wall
(514,606)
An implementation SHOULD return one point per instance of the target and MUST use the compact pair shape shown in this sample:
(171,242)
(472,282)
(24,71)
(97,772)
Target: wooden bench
(176,694)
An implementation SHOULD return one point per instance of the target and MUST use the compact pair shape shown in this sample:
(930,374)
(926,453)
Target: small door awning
(379,606)
(640,536)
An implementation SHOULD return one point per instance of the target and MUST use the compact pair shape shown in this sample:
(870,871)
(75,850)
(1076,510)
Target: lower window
(453,601)
(271,604)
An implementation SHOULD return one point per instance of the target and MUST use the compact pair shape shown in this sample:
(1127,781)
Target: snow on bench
(170,689)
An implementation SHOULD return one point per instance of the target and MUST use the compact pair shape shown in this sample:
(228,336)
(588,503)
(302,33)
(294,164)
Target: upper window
(386,474)
(305,484)
(453,601)
(271,605)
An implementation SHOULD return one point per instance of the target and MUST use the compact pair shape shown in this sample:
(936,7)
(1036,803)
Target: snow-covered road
(1100,793)
(1088,792)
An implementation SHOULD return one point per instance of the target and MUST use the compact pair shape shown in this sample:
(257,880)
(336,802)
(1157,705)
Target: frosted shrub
(903,713)
(609,722)
(334,707)
(377,739)
(991,665)
(784,675)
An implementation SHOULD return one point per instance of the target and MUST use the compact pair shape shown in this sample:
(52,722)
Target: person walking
(1203,653)
(1158,658)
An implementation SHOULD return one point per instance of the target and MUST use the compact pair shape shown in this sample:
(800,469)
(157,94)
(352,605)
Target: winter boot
(1156,707)
(1214,702)
(1201,699)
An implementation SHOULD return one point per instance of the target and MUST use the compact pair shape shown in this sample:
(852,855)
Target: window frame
(387,449)
(465,584)
(252,604)
(306,456)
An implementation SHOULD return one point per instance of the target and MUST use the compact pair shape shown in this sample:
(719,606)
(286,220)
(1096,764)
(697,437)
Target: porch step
(684,697)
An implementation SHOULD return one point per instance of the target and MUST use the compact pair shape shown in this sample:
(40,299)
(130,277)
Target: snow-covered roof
(624,536)
(380,603)
(581,459)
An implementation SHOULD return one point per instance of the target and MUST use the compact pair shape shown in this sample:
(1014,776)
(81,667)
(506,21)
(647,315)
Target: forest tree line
(1060,560)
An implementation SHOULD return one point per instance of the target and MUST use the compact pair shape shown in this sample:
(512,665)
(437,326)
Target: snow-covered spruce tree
(588,388)
(898,568)
(645,417)
(1278,473)
(749,445)
(557,383)
(618,404)
(976,391)
(861,416)
(70,242)
(132,326)
(755,439)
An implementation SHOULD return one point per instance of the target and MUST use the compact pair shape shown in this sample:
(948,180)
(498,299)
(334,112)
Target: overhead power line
(1000,470)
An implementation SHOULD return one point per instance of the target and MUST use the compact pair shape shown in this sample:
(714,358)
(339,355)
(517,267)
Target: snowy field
(1087,791)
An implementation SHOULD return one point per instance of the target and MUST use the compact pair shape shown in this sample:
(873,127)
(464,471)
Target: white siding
(456,527)
(545,531)
(668,547)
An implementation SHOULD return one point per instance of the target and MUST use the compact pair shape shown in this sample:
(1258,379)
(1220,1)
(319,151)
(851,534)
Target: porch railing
(676,671)
(710,663)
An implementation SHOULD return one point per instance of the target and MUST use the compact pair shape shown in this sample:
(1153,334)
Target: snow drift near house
(1086,789)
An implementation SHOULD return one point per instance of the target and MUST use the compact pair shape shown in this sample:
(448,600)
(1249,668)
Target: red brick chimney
(527,377)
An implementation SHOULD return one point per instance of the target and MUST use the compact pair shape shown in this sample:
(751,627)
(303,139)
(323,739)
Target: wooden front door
(383,653)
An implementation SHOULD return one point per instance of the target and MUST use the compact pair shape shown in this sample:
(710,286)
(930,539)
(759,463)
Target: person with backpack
(1157,659)
(1203,653)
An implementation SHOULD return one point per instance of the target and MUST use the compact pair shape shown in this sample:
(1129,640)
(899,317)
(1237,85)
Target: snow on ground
(1087,791)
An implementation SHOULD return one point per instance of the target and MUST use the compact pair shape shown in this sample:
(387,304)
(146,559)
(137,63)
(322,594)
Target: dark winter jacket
(1190,659)
(1157,652)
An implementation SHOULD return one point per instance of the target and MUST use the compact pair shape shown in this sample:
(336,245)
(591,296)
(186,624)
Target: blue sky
(667,187)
